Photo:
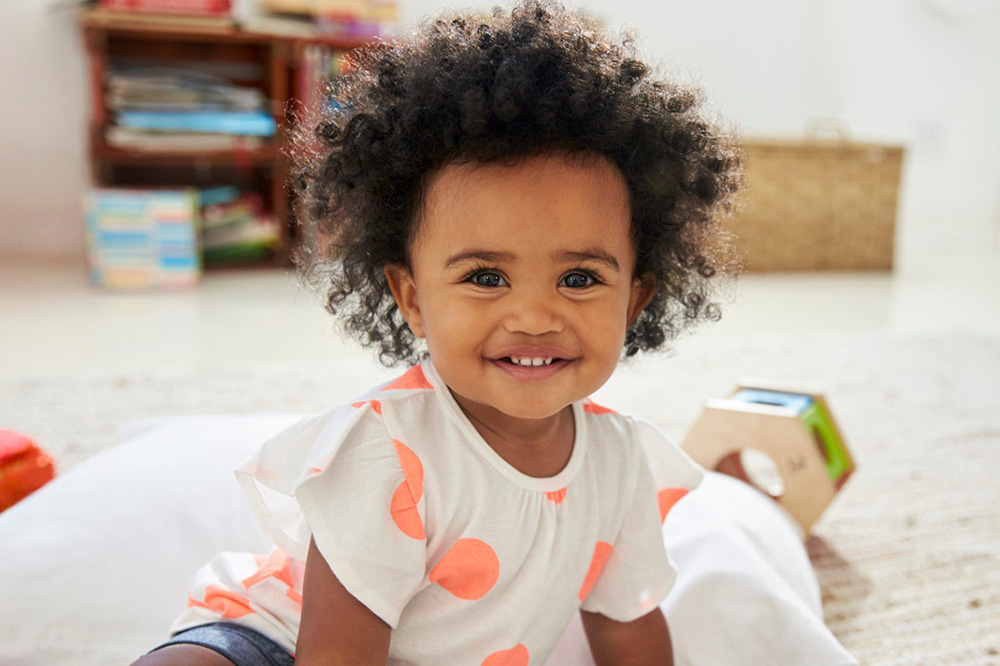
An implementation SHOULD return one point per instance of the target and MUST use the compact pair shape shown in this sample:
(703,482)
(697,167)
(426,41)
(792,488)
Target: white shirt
(465,557)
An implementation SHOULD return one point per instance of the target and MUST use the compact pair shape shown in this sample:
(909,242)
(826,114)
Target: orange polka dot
(516,656)
(602,551)
(412,379)
(413,469)
(376,405)
(592,407)
(556,496)
(224,602)
(405,513)
(276,565)
(404,500)
(667,498)
(468,570)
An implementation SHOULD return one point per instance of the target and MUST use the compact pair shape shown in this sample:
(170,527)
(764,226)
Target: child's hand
(642,642)
(336,629)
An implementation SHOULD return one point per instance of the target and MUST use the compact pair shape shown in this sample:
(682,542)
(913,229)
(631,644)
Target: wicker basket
(818,205)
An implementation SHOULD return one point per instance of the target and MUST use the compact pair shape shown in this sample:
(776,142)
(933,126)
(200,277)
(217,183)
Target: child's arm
(642,642)
(336,629)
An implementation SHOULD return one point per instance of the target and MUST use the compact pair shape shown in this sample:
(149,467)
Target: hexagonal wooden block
(794,429)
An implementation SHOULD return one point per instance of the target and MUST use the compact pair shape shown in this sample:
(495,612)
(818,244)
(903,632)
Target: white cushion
(95,565)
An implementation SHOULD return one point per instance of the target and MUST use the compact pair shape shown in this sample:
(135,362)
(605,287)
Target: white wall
(924,73)
(43,125)
(921,72)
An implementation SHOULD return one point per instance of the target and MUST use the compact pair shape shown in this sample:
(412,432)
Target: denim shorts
(238,644)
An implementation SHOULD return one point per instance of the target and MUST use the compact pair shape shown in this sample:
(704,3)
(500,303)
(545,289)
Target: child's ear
(404,290)
(643,290)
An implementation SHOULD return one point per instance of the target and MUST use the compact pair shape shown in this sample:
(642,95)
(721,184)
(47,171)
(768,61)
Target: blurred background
(877,119)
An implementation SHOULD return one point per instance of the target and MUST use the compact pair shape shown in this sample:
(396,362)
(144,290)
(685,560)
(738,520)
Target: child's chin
(534,411)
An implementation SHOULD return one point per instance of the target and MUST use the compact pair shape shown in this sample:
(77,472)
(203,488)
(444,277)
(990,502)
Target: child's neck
(538,448)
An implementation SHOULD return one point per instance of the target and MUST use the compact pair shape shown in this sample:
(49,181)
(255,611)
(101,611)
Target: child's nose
(534,311)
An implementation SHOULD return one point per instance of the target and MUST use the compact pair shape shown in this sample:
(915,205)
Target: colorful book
(142,238)
(178,89)
(235,226)
(202,23)
(197,7)
(250,123)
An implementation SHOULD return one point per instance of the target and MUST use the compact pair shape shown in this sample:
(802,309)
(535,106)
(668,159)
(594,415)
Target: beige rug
(908,556)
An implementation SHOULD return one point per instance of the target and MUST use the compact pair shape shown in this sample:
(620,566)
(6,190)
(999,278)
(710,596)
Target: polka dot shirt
(466,558)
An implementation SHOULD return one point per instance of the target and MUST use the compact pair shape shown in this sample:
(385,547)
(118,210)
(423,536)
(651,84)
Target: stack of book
(354,18)
(235,226)
(186,14)
(142,239)
(179,109)
(173,7)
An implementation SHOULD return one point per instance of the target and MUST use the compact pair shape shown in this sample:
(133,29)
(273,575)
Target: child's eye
(487,279)
(578,280)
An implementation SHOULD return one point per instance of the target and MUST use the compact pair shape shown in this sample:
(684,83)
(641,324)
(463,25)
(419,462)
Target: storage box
(818,204)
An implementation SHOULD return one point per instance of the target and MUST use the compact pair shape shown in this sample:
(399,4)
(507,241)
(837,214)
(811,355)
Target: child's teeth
(527,361)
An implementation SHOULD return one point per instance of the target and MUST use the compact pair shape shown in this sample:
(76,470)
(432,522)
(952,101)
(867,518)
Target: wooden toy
(783,441)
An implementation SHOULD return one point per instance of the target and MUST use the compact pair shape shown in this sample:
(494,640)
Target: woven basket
(818,204)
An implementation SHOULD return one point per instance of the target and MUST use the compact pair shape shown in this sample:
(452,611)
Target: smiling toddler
(509,205)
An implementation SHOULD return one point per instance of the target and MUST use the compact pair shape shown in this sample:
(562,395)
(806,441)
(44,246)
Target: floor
(52,321)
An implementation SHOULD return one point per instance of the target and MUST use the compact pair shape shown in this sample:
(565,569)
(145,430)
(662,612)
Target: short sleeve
(638,573)
(670,466)
(340,479)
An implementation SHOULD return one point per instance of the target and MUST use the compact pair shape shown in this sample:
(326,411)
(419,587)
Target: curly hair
(500,88)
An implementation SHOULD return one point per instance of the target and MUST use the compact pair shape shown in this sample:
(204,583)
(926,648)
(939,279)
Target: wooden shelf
(275,63)
(99,23)
(265,155)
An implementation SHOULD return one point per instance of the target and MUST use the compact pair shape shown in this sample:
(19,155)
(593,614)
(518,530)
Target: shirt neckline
(540,484)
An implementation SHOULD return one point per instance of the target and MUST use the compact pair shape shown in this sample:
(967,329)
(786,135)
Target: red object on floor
(24,467)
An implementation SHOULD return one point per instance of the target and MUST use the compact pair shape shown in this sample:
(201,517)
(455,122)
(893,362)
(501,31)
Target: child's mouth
(531,367)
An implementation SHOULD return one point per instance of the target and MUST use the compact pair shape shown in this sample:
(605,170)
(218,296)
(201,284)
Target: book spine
(248,123)
(196,7)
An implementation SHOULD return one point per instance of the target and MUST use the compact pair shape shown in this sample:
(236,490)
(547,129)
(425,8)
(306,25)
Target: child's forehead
(582,199)
(498,183)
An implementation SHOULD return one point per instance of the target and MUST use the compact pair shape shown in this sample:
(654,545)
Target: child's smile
(521,280)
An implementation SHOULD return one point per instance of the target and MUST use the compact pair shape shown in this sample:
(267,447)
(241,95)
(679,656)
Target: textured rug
(908,555)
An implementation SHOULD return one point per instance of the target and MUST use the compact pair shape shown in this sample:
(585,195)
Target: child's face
(521,280)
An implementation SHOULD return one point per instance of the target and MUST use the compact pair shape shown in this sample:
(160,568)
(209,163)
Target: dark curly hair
(504,87)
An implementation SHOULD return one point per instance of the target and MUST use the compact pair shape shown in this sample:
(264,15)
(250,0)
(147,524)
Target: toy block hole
(756,468)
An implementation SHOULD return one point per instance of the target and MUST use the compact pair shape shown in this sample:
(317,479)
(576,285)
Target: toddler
(509,205)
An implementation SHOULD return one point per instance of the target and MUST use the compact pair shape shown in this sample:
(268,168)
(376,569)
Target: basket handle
(817,128)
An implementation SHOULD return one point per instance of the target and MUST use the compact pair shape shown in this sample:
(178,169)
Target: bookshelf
(278,69)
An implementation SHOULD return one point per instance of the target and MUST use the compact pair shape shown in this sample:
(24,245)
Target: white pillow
(95,566)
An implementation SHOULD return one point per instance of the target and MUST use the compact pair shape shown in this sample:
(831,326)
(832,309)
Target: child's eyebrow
(484,256)
(494,257)
(590,254)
